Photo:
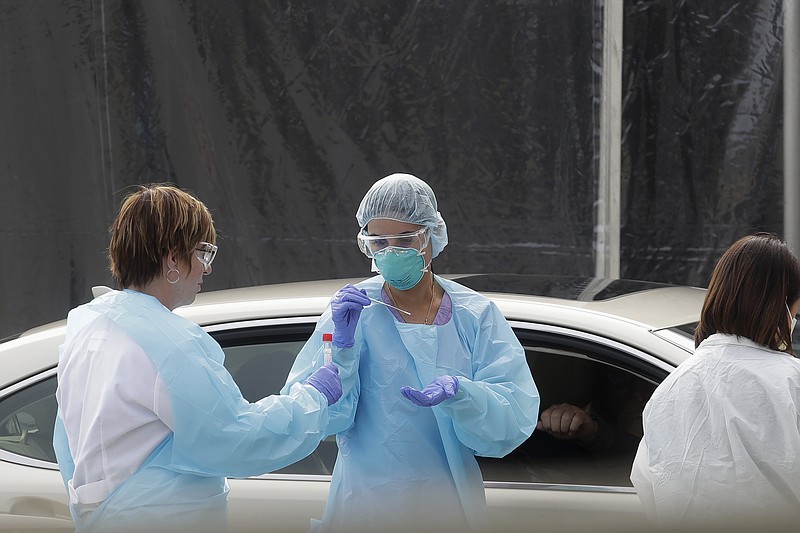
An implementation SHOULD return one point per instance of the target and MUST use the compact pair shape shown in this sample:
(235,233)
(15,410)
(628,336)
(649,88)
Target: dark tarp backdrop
(279,116)
(702,123)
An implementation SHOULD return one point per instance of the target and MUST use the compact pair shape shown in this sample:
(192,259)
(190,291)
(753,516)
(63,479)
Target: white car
(602,344)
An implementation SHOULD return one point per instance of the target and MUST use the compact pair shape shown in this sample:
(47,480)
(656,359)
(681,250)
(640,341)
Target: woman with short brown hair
(150,422)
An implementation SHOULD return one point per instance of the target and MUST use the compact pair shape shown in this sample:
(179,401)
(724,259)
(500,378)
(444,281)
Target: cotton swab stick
(387,305)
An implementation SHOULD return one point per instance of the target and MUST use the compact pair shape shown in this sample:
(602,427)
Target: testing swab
(387,305)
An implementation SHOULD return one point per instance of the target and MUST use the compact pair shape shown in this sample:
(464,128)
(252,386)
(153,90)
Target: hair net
(404,198)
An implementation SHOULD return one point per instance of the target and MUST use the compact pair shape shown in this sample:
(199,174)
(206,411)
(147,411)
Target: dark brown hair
(153,222)
(752,283)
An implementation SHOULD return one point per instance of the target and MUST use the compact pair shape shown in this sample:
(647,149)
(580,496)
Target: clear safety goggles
(206,252)
(372,244)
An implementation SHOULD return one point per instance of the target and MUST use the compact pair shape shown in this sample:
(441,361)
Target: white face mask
(793,318)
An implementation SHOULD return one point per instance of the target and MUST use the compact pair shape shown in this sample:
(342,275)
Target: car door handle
(28,513)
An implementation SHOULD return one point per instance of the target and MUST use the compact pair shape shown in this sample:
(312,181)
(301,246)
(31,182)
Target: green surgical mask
(402,268)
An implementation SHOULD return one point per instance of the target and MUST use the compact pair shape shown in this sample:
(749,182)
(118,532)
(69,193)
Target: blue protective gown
(407,466)
(216,433)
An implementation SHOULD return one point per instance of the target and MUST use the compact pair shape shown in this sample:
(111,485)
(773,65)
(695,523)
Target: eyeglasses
(206,252)
(372,244)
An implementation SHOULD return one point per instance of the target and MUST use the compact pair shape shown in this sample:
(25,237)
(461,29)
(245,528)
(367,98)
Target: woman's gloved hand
(346,307)
(326,380)
(439,390)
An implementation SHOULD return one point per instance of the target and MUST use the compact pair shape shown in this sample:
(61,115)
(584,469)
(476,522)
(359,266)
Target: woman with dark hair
(150,422)
(722,433)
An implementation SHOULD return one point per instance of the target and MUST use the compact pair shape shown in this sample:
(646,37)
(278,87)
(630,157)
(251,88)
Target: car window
(27,418)
(614,396)
(686,330)
(611,385)
(259,359)
(260,369)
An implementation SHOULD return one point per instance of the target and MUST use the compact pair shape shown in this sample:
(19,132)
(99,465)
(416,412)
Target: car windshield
(687,330)
(582,289)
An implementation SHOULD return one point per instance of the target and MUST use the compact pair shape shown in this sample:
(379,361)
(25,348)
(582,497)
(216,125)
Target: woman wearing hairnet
(426,388)
(721,443)
(149,420)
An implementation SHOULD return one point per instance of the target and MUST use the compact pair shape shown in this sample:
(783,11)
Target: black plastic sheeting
(280,115)
(702,140)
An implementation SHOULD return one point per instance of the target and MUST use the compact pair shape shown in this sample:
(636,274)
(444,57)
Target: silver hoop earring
(170,271)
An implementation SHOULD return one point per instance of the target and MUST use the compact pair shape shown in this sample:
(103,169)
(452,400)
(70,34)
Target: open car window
(597,381)
(613,386)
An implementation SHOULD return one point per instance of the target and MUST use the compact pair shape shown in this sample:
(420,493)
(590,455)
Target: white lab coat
(722,438)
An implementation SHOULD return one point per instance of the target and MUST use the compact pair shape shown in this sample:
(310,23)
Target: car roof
(652,305)
(542,299)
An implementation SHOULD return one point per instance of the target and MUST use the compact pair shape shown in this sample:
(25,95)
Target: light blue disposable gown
(217,433)
(405,466)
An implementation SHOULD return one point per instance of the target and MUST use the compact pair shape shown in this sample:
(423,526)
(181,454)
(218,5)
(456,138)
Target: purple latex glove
(326,380)
(439,390)
(346,307)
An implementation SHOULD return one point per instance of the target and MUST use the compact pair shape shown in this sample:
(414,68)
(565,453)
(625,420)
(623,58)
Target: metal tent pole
(607,229)
(791,123)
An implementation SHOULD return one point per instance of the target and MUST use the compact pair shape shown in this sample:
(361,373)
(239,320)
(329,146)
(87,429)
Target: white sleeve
(114,405)
(643,481)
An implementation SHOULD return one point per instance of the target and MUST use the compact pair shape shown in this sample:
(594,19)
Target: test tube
(327,347)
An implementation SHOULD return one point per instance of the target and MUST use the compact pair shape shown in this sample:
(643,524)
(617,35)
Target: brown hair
(753,282)
(154,221)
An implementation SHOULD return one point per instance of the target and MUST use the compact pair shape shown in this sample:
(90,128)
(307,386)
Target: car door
(543,483)
(32,494)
